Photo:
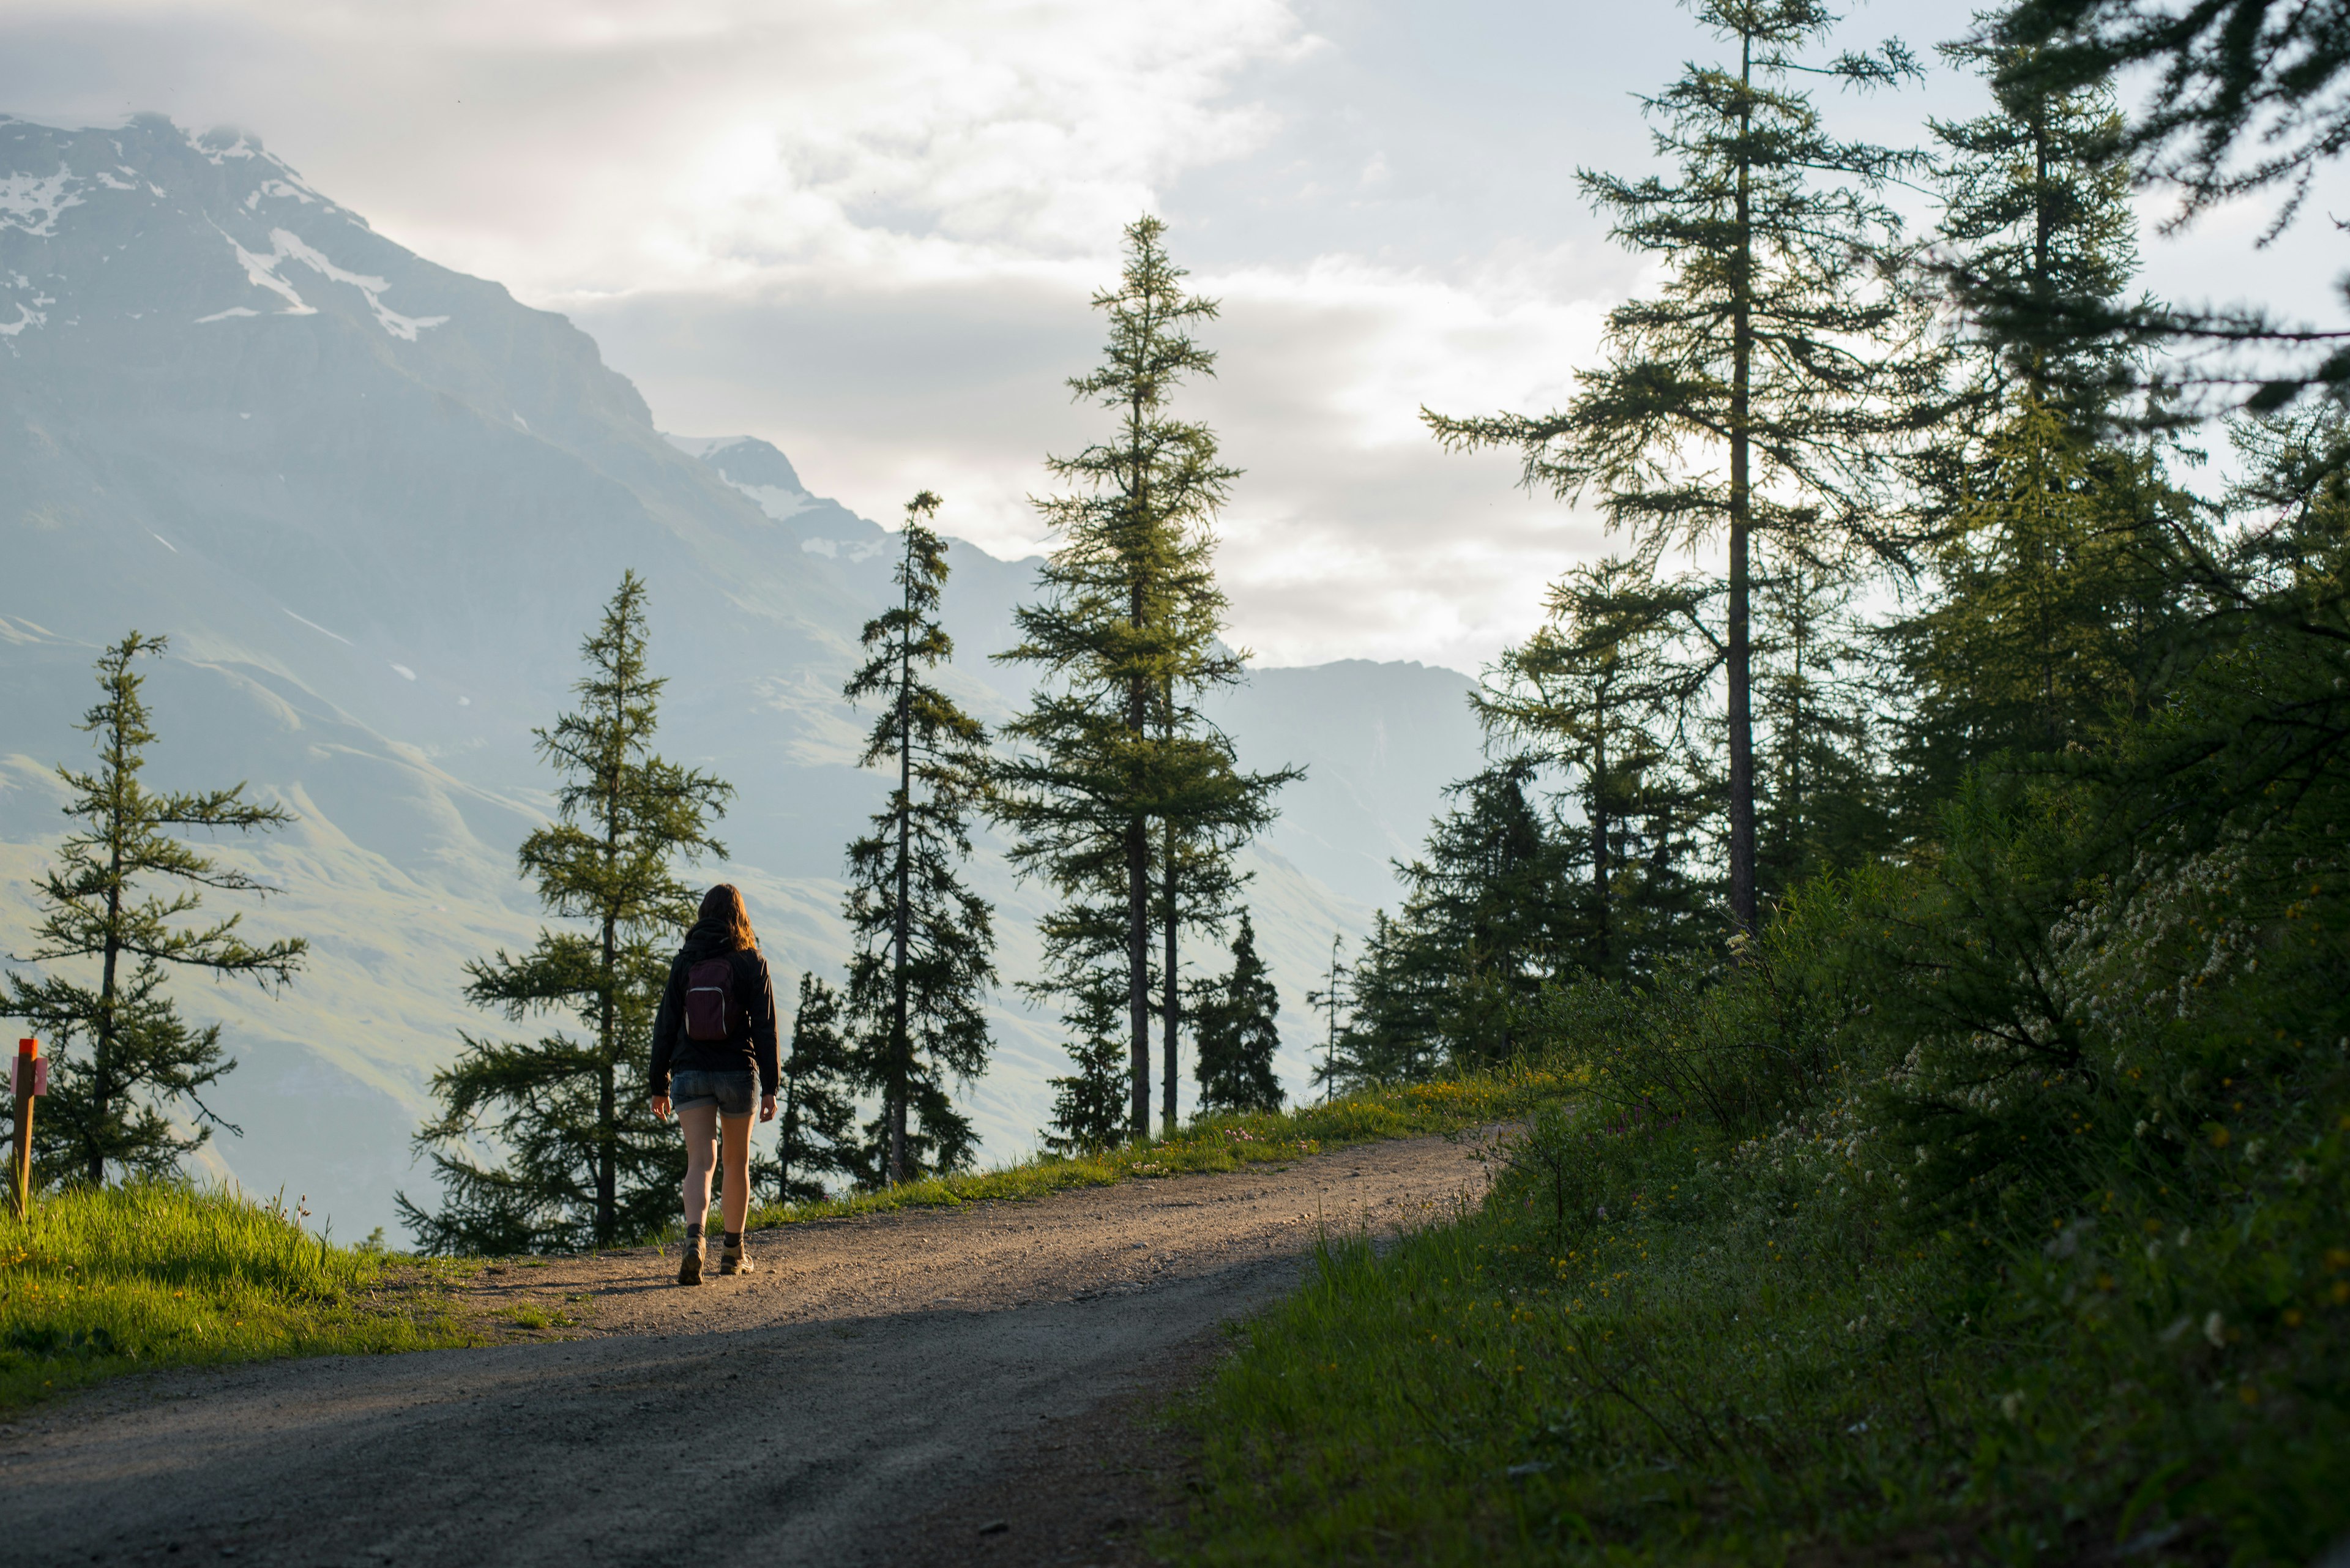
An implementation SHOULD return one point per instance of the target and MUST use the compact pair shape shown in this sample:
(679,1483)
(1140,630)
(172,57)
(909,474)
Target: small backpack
(709,998)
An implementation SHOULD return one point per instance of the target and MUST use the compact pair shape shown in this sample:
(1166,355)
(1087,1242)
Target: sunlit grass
(95,1282)
(1215,1144)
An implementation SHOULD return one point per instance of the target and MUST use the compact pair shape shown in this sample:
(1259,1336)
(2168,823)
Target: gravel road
(802,1414)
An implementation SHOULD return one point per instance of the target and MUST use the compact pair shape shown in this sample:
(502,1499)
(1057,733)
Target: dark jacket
(750,1022)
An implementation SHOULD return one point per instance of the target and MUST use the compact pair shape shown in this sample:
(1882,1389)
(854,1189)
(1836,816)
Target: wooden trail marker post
(30,1080)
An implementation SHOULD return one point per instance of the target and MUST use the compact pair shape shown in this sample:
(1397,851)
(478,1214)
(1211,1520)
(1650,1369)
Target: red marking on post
(28,1047)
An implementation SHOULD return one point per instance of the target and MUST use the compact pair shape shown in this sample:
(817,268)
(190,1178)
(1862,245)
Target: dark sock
(693,1232)
(733,1240)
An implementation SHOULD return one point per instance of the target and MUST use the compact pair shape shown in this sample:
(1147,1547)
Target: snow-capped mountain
(377,505)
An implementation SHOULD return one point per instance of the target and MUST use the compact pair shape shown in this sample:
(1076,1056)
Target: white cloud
(868,232)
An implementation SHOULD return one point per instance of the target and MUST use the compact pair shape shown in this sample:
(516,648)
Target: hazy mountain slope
(377,505)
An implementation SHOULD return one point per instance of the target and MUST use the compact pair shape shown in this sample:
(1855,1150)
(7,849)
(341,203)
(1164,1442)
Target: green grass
(1214,1143)
(1705,1357)
(97,1282)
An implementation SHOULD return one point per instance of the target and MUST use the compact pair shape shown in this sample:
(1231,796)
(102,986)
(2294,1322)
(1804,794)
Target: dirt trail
(801,1415)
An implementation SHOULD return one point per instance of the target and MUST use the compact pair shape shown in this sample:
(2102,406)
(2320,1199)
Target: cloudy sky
(867,231)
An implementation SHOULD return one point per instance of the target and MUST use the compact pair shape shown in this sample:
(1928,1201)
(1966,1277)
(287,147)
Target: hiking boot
(689,1267)
(735,1261)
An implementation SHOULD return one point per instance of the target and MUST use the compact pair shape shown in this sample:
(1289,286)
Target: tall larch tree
(923,944)
(586,1163)
(1775,386)
(1109,763)
(124,1058)
(2054,596)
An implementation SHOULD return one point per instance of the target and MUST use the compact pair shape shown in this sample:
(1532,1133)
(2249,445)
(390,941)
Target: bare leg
(700,1124)
(734,1200)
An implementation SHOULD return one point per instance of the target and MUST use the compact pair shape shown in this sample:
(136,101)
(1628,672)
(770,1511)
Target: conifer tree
(1211,809)
(1607,693)
(1333,999)
(1114,771)
(1774,388)
(923,943)
(2243,96)
(2224,72)
(1493,903)
(2037,218)
(1090,1104)
(586,1163)
(817,1123)
(1394,1033)
(121,1054)
(2059,602)
(1238,1036)
(1823,792)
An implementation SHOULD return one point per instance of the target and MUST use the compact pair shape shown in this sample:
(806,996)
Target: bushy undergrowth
(1992,1208)
(1223,1143)
(97,1282)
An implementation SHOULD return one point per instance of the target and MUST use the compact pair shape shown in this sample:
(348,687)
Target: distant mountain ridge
(376,503)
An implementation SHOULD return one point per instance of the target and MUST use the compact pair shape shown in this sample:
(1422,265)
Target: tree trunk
(608,1208)
(101,1075)
(1168,1011)
(1599,820)
(1138,958)
(1740,658)
(784,1154)
(900,1043)
(1137,884)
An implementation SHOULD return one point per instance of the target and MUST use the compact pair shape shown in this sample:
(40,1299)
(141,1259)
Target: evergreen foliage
(817,1132)
(1608,694)
(1769,392)
(1394,1029)
(2245,96)
(1494,904)
(2039,235)
(2227,73)
(586,1163)
(1091,1104)
(1119,796)
(1237,1035)
(1333,999)
(922,944)
(2059,607)
(122,1057)
(1825,794)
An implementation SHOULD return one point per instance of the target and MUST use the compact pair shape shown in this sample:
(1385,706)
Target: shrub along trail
(875,1365)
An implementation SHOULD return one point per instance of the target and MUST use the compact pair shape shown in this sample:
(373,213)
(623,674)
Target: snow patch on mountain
(262,272)
(33,202)
(775,500)
(286,246)
(756,469)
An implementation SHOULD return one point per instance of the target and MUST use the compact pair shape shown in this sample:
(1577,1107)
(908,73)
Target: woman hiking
(716,1032)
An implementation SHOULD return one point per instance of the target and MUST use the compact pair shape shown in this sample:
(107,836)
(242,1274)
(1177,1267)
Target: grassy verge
(1219,1143)
(98,1283)
(1680,1352)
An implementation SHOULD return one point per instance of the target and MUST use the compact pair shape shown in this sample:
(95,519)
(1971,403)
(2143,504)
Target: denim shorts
(732,1093)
